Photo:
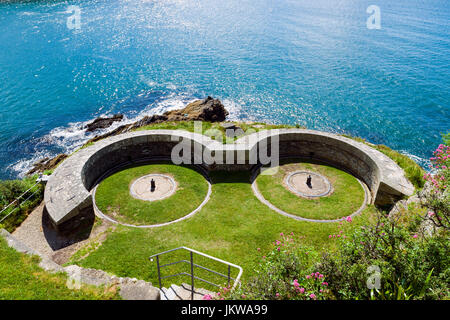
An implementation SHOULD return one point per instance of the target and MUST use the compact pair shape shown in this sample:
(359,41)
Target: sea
(376,69)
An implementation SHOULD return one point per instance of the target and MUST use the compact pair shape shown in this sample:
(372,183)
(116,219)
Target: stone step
(183,292)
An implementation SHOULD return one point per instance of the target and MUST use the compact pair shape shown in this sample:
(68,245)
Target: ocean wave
(69,138)
(423,162)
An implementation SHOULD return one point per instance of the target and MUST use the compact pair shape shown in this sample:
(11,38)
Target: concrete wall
(67,192)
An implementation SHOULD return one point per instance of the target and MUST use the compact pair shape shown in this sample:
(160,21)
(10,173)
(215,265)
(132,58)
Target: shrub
(286,272)
(411,266)
(11,190)
(437,196)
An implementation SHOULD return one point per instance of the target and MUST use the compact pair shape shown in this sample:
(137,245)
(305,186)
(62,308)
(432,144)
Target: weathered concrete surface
(68,191)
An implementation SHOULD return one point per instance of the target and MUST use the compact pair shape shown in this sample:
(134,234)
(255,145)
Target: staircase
(183,292)
(189,291)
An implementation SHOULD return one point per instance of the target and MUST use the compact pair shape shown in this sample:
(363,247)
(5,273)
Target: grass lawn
(113,195)
(21,278)
(347,197)
(215,130)
(231,226)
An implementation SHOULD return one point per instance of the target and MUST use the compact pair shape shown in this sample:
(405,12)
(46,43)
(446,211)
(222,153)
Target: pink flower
(415,236)
(206,297)
(259,249)
(312,296)
(430,213)
(330,236)
(308,276)
(243,296)
(282,234)
(348,219)
(302,290)
(325,283)
(277,295)
(278,249)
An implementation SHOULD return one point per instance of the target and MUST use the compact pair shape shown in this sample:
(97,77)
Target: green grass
(413,171)
(347,197)
(21,278)
(12,189)
(214,130)
(231,226)
(113,195)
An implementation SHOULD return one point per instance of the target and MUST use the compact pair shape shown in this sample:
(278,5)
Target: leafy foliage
(10,190)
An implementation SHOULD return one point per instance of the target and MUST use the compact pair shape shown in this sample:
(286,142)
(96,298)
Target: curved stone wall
(68,191)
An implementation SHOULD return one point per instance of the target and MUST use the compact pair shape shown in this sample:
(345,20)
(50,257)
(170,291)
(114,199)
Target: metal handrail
(192,264)
(18,202)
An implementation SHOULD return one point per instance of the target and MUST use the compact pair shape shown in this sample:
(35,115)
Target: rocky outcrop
(209,109)
(103,123)
(47,164)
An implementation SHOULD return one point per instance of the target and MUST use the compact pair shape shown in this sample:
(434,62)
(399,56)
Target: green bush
(408,266)
(11,190)
(411,266)
(286,272)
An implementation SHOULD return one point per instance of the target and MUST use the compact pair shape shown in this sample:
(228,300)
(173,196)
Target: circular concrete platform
(165,186)
(319,186)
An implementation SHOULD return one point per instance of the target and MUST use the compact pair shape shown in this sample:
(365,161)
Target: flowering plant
(437,197)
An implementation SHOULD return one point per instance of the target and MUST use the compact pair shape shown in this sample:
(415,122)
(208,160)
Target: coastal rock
(103,123)
(208,109)
(149,120)
(47,164)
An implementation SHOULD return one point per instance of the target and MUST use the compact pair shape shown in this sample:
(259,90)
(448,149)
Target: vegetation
(282,258)
(113,195)
(437,196)
(231,226)
(401,256)
(215,130)
(21,278)
(413,171)
(347,196)
(10,190)
(383,260)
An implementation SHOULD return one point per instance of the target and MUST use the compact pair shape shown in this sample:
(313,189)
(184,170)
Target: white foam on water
(424,163)
(73,136)
(234,109)
(24,165)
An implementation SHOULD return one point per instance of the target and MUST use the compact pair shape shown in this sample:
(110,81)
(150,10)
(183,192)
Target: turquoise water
(314,63)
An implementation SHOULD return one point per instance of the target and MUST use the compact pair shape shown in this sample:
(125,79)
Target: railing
(192,264)
(17,202)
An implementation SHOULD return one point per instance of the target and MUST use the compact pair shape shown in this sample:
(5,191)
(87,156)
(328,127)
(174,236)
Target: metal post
(159,272)
(229,275)
(192,276)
